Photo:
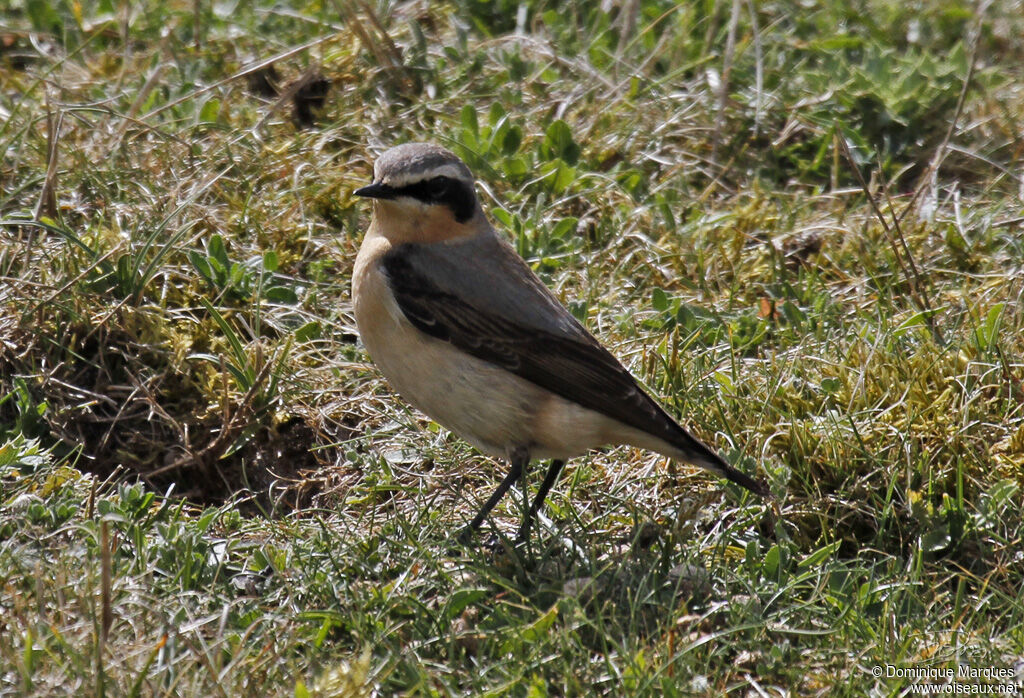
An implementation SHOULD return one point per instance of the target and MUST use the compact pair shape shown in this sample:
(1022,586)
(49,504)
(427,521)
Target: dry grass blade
(152,81)
(47,206)
(722,89)
(377,42)
(905,258)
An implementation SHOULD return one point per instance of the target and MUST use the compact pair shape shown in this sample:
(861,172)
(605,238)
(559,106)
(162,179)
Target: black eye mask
(453,193)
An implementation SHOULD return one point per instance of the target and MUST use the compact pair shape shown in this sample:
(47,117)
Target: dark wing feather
(575,367)
(579,370)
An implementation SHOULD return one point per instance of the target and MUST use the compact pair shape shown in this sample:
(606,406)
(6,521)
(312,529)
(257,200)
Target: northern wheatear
(465,331)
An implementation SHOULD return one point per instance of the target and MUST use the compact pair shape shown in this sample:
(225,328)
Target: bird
(464,330)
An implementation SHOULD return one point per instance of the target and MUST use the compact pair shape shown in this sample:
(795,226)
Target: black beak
(376,191)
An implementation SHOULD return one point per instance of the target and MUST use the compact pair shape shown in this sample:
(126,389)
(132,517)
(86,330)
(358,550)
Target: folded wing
(561,356)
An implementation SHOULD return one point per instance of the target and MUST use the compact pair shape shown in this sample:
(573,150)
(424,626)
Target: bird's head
(425,190)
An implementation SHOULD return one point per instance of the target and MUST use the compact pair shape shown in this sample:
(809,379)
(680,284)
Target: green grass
(804,239)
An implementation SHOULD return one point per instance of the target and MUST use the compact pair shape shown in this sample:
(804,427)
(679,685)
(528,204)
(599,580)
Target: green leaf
(217,251)
(270,261)
(986,334)
(532,633)
(770,565)
(916,320)
(538,688)
(936,540)
(28,655)
(503,217)
(210,111)
(957,60)
(125,274)
(326,627)
(564,227)
(793,314)
(516,168)
(201,265)
(820,555)
(243,372)
(724,380)
(281,294)
(207,518)
(237,373)
(511,140)
(311,330)
(559,144)
(956,242)
(496,114)
(219,269)
(236,275)
(461,600)
(42,15)
(243,438)
(558,175)
(659,300)
(835,44)
(469,120)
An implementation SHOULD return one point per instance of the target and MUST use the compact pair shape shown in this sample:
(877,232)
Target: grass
(800,228)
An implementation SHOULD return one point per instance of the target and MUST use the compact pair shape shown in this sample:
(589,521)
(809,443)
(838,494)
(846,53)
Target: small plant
(558,154)
(29,422)
(240,281)
(493,147)
(256,377)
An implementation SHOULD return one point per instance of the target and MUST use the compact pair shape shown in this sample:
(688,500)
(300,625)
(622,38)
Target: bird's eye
(438,187)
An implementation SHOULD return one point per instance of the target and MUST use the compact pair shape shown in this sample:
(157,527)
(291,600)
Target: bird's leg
(518,458)
(524,491)
(549,480)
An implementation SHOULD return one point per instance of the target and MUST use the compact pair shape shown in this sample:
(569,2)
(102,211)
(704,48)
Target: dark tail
(693,451)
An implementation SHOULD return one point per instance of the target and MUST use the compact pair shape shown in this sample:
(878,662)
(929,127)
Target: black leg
(518,459)
(549,480)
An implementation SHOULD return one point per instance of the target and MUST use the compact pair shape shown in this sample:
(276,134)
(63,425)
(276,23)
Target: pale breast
(487,406)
